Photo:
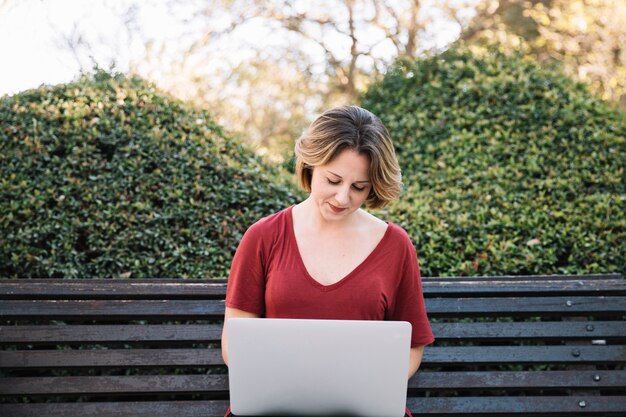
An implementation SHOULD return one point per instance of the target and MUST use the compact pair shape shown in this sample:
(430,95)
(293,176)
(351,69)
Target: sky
(35,34)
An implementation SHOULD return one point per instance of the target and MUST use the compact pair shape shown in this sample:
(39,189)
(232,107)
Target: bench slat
(609,405)
(46,359)
(110,289)
(118,409)
(47,334)
(99,385)
(110,358)
(526,306)
(218,384)
(486,355)
(528,278)
(517,380)
(557,330)
(498,288)
(179,309)
(525,404)
(216,289)
(112,309)
(168,333)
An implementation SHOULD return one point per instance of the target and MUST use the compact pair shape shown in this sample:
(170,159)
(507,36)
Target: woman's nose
(343,195)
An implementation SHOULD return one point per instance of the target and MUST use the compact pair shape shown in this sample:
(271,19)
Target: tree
(252,61)
(326,54)
(586,36)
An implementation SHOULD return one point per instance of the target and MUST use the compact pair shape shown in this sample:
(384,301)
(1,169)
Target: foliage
(509,168)
(107,177)
(586,36)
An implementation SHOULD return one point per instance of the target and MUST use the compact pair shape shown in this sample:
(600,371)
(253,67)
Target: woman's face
(341,186)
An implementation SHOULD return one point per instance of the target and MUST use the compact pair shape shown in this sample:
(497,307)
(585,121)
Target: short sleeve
(409,302)
(246,281)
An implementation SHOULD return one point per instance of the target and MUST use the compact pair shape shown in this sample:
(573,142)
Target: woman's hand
(230,313)
(415,359)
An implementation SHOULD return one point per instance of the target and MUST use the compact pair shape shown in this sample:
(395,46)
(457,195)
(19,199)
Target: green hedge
(107,177)
(509,168)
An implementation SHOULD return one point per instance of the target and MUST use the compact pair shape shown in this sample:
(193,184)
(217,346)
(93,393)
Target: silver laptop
(318,367)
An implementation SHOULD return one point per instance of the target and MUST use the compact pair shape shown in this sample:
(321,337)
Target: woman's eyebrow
(339,176)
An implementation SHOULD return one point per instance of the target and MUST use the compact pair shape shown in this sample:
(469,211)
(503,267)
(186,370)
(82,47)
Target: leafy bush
(107,177)
(509,168)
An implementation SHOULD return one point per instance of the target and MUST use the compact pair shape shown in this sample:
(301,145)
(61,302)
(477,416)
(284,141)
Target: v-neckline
(345,278)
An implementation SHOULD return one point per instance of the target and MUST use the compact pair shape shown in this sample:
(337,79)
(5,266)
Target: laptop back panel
(318,367)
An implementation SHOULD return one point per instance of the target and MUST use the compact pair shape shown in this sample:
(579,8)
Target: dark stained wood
(212,309)
(527,380)
(528,330)
(497,287)
(112,309)
(110,358)
(172,384)
(171,333)
(483,355)
(189,289)
(163,333)
(528,278)
(102,385)
(61,340)
(489,355)
(610,405)
(110,289)
(118,409)
(526,306)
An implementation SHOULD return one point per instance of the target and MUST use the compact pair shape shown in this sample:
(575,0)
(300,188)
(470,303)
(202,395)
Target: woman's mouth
(336,209)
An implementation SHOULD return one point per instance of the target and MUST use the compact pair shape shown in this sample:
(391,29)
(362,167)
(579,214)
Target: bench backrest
(505,345)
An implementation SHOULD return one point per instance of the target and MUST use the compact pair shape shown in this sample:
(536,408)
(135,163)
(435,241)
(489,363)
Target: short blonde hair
(351,127)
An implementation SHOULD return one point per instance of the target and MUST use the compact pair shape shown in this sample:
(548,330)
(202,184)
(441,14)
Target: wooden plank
(470,355)
(526,306)
(520,331)
(157,333)
(498,288)
(137,289)
(118,409)
(216,289)
(110,385)
(574,405)
(211,333)
(110,358)
(428,406)
(524,355)
(527,380)
(196,384)
(184,309)
(540,278)
(112,309)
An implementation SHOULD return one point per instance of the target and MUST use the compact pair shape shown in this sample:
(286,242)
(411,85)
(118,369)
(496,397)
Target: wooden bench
(549,345)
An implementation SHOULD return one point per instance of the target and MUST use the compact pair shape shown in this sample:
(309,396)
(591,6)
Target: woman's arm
(229,314)
(415,359)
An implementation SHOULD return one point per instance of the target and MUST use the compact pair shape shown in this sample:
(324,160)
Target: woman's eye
(354,187)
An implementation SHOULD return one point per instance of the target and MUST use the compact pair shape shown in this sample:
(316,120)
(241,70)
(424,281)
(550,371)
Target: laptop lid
(318,367)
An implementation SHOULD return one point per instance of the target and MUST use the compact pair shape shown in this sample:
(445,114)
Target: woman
(326,257)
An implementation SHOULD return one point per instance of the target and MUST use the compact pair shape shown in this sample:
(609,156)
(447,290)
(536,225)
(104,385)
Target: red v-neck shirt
(268,278)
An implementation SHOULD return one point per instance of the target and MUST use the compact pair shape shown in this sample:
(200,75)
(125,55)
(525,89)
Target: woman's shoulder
(276,222)
(398,235)
(374,222)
